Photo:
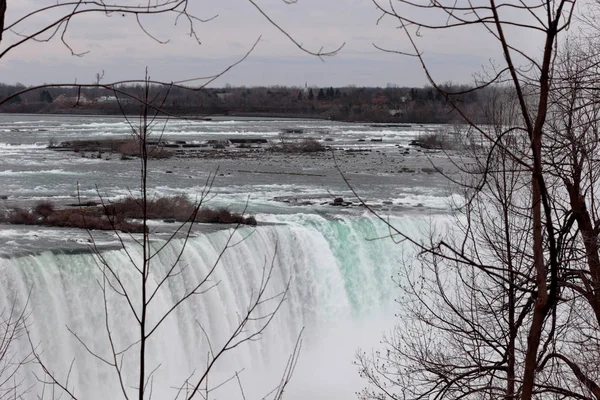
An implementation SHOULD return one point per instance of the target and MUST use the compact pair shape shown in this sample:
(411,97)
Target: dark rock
(84,204)
(344,204)
(248,141)
(293,130)
(339,202)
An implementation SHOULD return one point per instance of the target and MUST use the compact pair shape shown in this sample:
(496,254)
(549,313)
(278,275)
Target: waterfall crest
(339,273)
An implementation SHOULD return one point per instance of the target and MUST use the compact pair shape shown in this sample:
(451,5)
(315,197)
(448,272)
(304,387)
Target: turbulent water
(338,264)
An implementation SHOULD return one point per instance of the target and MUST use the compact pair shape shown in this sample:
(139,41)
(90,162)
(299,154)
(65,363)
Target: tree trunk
(2,14)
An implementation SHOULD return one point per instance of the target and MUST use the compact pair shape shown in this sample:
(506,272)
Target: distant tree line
(366,104)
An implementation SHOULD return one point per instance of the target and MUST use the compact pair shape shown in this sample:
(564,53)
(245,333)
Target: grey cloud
(123,51)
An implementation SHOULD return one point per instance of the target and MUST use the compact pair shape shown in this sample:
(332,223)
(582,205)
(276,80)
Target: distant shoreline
(348,104)
(229,116)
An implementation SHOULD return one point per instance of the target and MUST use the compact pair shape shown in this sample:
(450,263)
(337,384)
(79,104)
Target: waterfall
(341,292)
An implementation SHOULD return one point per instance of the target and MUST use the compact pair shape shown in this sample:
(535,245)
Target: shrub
(20,216)
(130,148)
(307,145)
(223,216)
(44,209)
(115,215)
(94,145)
(178,207)
(156,152)
(128,207)
(207,215)
(311,146)
(438,141)
(90,219)
(125,147)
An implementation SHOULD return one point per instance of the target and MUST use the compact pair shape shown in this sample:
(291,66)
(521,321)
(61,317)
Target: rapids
(338,261)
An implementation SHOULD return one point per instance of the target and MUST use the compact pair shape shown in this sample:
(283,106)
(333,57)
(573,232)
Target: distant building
(70,101)
(397,112)
(61,99)
(223,95)
(107,99)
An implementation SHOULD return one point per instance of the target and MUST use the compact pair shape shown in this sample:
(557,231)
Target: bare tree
(52,22)
(469,289)
(146,315)
(509,308)
(129,360)
(13,328)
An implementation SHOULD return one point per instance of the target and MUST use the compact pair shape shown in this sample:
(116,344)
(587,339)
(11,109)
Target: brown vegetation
(178,208)
(46,215)
(438,141)
(44,209)
(124,147)
(307,145)
(116,215)
(223,216)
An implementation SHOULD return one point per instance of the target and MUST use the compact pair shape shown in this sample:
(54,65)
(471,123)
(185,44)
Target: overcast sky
(117,46)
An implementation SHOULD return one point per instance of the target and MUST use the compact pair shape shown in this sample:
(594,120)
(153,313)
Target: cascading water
(340,283)
(338,262)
